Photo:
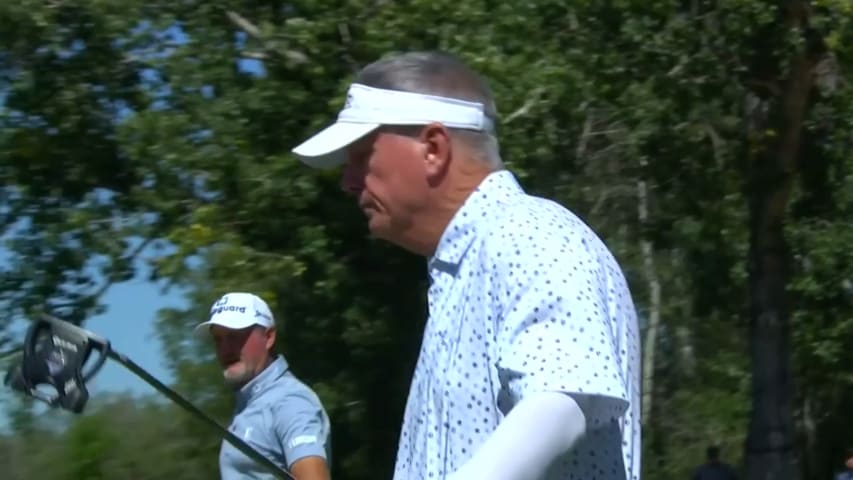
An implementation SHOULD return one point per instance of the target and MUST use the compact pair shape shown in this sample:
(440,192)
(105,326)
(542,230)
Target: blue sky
(129,324)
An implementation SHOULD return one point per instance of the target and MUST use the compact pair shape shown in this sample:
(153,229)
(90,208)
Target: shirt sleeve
(539,429)
(559,324)
(300,425)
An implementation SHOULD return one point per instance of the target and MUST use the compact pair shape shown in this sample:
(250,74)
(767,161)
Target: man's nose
(352,179)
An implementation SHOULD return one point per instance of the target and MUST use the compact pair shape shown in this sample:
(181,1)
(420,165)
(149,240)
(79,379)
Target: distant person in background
(714,469)
(276,414)
(847,474)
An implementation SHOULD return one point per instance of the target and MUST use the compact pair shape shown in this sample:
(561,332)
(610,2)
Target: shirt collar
(480,205)
(257,385)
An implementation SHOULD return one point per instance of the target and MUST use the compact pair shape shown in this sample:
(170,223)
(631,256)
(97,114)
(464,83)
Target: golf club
(55,354)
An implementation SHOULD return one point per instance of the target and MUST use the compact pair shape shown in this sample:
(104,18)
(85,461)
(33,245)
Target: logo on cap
(221,305)
(230,308)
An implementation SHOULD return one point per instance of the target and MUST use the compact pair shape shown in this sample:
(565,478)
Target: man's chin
(236,378)
(379,228)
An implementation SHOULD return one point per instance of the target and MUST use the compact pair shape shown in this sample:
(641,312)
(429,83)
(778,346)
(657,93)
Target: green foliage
(154,124)
(119,437)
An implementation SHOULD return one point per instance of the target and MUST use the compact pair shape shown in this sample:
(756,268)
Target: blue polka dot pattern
(523,298)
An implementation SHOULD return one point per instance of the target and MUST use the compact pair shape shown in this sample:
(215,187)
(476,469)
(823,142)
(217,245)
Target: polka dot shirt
(523,298)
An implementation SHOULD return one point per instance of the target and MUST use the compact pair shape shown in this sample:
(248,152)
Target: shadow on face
(384,173)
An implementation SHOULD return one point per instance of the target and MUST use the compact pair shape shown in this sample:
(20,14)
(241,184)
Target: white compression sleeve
(534,433)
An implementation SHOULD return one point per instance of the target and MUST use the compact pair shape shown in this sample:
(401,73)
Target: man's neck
(264,366)
(448,198)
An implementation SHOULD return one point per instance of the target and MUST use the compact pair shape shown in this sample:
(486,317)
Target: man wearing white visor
(275,413)
(529,366)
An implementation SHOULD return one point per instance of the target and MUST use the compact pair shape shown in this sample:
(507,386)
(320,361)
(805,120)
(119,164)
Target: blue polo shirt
(281,418)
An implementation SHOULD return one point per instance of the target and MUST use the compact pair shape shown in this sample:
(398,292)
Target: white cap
(368,108)
(237,310)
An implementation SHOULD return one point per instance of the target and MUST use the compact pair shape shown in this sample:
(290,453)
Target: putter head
(55,356)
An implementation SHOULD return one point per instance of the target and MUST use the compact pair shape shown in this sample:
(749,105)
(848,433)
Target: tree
(663,124)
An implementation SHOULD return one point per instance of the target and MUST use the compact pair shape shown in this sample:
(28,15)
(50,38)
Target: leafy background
(664,124)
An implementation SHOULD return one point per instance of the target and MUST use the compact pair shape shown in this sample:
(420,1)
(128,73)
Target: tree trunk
(771,453)
(686,355)
(650,272)
(811,461)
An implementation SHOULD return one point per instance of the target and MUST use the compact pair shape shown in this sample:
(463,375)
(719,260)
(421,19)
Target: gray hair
(442,74)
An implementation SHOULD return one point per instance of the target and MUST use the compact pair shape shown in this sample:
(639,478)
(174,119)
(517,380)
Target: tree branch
(716,143)
(580,151)
(110,281)
(532,100)
(346,41)
(243,24)
(291,56)
(254,55)
(607,193)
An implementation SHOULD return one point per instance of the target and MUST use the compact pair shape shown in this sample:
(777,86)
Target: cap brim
(327,148)
(237,323)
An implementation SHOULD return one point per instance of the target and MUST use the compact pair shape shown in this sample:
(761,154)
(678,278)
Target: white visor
(368,108)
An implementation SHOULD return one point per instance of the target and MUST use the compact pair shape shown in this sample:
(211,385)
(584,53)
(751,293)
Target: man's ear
(270,340)
(437,150)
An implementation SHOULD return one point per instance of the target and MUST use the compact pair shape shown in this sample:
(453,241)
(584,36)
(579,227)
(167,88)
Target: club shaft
(188,406)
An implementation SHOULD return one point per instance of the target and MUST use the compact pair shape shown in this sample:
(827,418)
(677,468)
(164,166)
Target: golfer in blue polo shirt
(276,414)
